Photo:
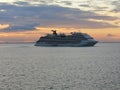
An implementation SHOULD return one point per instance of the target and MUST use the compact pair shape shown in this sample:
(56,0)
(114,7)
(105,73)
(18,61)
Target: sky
(27,20)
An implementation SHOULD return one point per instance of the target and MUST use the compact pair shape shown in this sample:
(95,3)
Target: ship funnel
(54,32)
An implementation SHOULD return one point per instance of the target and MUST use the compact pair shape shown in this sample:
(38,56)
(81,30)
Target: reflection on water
(26,67)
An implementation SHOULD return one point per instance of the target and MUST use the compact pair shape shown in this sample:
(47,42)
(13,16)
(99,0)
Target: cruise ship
(74,39)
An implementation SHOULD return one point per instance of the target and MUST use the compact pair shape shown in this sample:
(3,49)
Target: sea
(27,67)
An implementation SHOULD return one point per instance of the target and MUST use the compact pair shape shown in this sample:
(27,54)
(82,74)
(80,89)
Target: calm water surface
(26,67)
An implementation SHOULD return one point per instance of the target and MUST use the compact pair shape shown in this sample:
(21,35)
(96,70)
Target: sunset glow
(26,21)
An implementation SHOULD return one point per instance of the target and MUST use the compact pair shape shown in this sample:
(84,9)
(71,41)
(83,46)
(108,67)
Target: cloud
(84,5)
(110,35)
(117,6)
(21,27)
(38,2)
(28,17)
(72,18)
(21,3)
(66,2)
(4,26)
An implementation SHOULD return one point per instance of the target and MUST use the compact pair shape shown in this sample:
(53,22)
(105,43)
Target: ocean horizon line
(34,42)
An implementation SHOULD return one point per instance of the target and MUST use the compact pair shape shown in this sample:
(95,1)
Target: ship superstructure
(75,39)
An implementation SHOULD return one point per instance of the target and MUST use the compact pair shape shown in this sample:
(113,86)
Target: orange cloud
(4,26)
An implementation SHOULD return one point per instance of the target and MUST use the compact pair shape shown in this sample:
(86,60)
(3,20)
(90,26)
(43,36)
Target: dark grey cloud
(84,5)
(46,1)
(24,27)
(98,8)
(27,18)
(40,1)
(66,2)
(21,3)
(117,6)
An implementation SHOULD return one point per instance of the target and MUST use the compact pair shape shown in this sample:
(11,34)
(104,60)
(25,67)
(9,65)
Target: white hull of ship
(81,44)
